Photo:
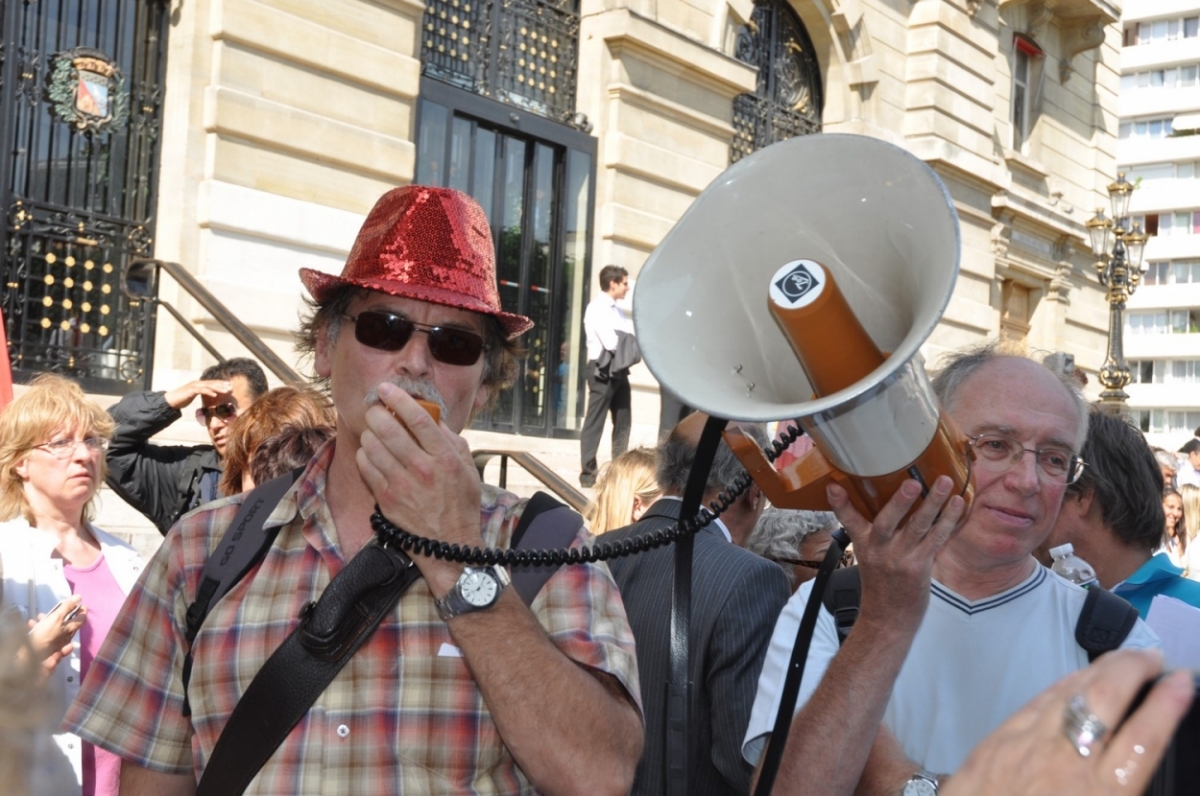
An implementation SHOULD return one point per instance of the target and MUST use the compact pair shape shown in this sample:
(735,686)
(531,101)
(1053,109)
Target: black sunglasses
(389,332)
(846,560)
(226,412)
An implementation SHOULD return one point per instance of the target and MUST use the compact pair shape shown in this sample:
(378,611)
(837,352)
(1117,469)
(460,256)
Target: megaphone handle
(800,485)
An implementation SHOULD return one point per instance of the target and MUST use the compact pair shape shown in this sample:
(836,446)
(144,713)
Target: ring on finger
(1083,728)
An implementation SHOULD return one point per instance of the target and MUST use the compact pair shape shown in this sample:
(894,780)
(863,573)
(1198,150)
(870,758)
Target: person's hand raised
(423,478)
(895,551)
(180,397)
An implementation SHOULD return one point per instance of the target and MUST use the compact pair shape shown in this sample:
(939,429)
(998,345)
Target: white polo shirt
(971,666)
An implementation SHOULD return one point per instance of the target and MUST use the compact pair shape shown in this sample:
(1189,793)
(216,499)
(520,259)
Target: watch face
(919,787)
(478,588)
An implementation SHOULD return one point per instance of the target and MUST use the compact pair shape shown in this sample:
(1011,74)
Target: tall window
(1015,311)
(1166,421)
(497,120)
(81,93)
(789,97)
(536,187)
(1186,321)
(1026,72)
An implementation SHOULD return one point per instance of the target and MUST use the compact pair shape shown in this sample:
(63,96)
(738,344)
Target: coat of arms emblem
(87,89)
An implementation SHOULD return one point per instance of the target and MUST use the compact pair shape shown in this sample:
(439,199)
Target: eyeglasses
(225,411)
(65,448)
(387,331)
(846,560)
(998,453)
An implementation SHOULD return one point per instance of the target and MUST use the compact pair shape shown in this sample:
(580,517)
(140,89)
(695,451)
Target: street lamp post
(1120,271)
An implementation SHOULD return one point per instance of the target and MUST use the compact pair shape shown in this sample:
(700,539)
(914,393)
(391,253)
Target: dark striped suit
(736,597)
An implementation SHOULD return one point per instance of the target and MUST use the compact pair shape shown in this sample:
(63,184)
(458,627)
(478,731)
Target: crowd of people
(965,665)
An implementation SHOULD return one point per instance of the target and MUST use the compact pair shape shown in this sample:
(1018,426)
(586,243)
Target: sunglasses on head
(226,412)
(387,331)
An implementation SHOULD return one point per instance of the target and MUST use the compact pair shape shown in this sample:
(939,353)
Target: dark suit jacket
(736,597)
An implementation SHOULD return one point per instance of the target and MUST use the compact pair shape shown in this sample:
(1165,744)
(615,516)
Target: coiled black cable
(388,534)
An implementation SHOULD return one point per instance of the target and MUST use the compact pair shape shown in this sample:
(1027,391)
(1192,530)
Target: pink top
(103,598)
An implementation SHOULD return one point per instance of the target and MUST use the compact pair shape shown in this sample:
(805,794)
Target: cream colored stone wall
(277,111)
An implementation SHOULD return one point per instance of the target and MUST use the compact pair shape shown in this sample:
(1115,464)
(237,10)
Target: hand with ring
(1070,739)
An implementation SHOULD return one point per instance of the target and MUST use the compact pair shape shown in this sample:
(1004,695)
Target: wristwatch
(475,590)
(922,783)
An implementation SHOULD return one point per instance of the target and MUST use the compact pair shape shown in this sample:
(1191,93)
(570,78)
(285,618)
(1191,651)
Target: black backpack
(1103,624)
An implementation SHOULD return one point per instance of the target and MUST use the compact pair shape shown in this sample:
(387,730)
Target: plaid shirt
(401,717)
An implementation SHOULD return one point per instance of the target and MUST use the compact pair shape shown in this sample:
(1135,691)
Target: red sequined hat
(430,244)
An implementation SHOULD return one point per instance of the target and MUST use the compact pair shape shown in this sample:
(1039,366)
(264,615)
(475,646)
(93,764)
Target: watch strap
(921,776)
(455,604)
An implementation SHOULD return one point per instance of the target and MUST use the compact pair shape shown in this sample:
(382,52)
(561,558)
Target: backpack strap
(546,524)
(842,598)
(1104,622)
(244,544)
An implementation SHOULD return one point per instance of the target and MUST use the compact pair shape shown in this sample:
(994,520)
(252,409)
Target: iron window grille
(789,98)
(520,52)
(81,93)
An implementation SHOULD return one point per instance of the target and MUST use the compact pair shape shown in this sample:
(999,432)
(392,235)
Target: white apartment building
(1159,149)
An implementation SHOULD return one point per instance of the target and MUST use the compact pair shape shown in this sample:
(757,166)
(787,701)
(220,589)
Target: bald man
(958,626)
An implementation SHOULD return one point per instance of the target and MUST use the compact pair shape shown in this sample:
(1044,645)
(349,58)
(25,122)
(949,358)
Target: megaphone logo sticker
(798,283)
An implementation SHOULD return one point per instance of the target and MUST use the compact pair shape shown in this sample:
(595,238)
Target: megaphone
(800,285)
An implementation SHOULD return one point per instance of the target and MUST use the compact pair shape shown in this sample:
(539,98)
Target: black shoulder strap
(1104,622)
(331,630)
(842,598)
(244,544)
(679,687)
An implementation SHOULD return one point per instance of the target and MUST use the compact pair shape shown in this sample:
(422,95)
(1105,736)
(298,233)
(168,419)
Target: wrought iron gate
(81,93)
(789,98)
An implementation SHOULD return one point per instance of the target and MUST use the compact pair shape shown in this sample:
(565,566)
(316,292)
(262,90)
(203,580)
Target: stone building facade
(279,122)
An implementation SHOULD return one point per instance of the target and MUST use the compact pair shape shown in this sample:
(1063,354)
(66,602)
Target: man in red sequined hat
(463,688)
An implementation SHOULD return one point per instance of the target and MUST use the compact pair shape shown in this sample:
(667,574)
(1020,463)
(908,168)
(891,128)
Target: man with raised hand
(958,626)
(164,482)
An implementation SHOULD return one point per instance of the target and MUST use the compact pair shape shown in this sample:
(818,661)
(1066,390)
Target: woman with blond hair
(625,489)
(277,410)
(1190,524)
(61,572)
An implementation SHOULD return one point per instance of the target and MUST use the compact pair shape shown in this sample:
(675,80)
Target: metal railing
(140,281)
(535,467)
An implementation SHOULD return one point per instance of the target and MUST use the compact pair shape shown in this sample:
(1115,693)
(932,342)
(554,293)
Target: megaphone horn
(775,295)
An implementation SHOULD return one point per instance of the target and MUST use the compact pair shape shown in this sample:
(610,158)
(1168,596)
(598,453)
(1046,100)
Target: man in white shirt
(608,389)
(1189,465)
(958,626)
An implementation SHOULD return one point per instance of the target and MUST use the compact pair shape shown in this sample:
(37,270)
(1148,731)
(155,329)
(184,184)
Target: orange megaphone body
(850,447)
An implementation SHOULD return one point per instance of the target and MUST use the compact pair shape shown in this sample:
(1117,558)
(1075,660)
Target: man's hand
(895,555)
(423,477)
(1030,755)
(180,397)
(845,712)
